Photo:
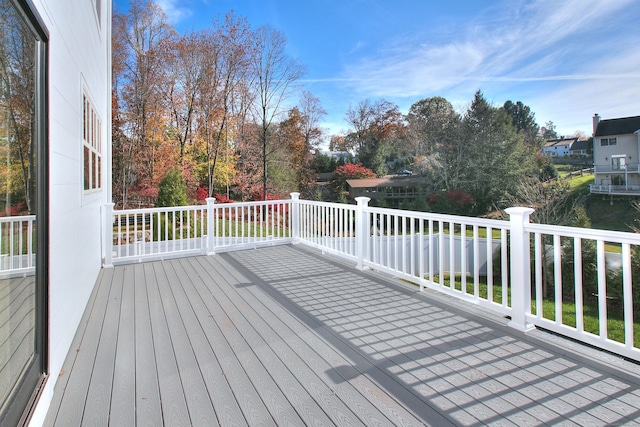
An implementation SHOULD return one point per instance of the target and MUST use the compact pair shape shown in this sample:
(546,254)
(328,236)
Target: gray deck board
(98,401)
(147,389)
(287,336)
(123,400)
(273,357)
(310,351)
(246,351)
(172,396)
(225,406)
(78,367)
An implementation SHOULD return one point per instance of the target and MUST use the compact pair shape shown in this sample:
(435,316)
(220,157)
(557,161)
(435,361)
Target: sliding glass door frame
(30,385)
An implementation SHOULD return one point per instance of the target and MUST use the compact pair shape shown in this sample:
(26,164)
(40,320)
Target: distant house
(580,148)
(562,147)
(615,156)
(393,189)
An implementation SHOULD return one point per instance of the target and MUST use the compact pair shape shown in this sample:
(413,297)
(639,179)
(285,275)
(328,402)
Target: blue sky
(566,59)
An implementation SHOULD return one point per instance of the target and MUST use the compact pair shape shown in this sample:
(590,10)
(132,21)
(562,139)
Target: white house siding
(79,60)
(627,145)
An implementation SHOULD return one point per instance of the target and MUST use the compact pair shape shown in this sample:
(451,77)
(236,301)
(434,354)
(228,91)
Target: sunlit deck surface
(287,336)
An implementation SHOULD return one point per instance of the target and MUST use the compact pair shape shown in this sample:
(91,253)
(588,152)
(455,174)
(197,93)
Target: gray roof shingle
(621,126)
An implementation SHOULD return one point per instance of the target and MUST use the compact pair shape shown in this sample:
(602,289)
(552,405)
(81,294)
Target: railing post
(362,231)
(295,218)
(210,242)
(107,235)
(520,268)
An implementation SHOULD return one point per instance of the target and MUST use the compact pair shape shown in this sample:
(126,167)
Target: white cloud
(539,41)
(176,10)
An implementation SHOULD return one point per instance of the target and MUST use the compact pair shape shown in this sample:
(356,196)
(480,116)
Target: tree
(226,67)
(349,171)
(337,143)
(378,129)
(551,199)
(548,131)
(185,61)
(140,36)
(274,75)
(431,122)
(524,120)
(172,190)
(494,160)
(311,111)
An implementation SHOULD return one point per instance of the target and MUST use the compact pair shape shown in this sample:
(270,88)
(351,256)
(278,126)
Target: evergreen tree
(173,189)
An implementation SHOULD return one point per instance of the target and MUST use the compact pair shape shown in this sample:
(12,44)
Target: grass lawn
(616,215)
(605,215)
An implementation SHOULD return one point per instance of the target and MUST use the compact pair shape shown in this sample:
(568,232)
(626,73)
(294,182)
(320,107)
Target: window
(618,163)
(608,141)
(92,147)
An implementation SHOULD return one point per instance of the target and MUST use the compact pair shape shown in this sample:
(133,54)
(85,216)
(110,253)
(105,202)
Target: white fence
(559,278)
(17,245)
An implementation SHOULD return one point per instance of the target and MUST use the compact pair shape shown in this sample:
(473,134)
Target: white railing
(615,189)
(136,235)
(247,225)
(628,168)
(17,245)
(572,267)
(573,281)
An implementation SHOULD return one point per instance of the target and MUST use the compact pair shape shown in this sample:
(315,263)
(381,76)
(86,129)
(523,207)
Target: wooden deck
(287,336)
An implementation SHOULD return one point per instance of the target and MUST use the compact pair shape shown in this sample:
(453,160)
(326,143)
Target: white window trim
(92,127)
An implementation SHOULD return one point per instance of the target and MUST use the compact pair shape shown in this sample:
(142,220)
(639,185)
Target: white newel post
(107,235)
(520,268)
(362,231)
(295,218)
(210,249)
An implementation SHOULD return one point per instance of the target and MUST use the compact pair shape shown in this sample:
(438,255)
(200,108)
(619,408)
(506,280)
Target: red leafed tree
(349,171)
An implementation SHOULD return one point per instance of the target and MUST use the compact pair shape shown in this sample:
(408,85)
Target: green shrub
(172,190)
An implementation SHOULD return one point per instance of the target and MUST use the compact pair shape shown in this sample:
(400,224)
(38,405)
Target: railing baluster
(463,258)
(577,283)
(627,294)
(476,261)
(452,256)
(602,290)
(557,271)
(540,254)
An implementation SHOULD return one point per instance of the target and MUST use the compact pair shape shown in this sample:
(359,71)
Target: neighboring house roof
(621,126)
(580,145)
(394,181)
(560,142)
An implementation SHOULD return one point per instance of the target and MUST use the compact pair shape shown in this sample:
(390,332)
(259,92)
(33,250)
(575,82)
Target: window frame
(92,147)
(606,142)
